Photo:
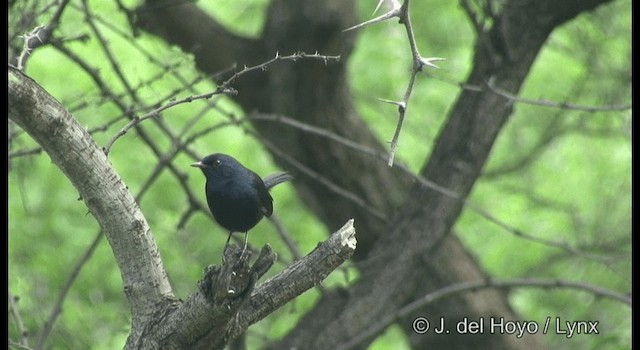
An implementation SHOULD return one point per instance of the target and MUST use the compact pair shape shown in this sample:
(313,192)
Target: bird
(237,197)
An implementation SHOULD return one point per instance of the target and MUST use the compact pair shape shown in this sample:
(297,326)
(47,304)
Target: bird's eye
(216,162)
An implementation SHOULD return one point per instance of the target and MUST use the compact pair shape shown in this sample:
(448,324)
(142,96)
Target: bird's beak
(198,165)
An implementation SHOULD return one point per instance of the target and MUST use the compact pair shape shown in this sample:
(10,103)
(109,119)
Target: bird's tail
(273,180)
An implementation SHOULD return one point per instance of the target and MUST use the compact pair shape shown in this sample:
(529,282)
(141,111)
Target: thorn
(377,7)
(401,105)
(393,13)
(428,61)
(395,4)
(392,156)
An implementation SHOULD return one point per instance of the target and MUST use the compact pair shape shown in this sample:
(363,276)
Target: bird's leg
(245,244)
(228,239)
(227,243)
(246,235)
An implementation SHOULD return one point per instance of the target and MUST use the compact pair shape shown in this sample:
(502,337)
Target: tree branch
(402,12)
(40,36)
(73,150)
(15,314)
(228,301)
(64,291)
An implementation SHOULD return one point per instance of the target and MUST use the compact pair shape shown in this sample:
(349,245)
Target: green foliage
(392,338)
(574,188)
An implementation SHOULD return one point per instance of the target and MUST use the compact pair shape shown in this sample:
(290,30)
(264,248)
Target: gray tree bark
(227,300)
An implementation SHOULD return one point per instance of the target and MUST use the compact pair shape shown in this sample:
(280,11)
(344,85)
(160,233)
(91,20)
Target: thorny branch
(223,88)
(402,13)
(40,36)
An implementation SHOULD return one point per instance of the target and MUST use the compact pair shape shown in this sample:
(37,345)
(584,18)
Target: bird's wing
(266,201)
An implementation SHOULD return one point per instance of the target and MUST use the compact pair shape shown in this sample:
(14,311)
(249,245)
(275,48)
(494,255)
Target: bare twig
(488,87)
(293,57)
(561,105)
(15,314)
(115,98)
(350,196)
(286,237)
(57,305)
(223,88)
(25,152)
(156,112)
(107,51)
(423,181)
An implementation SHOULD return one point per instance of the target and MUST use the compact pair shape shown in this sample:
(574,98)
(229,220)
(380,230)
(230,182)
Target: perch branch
(228,300)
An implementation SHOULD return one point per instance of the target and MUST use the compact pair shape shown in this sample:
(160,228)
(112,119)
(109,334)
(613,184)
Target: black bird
(237,197)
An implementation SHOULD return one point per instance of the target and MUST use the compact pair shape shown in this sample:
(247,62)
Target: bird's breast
(236,208)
